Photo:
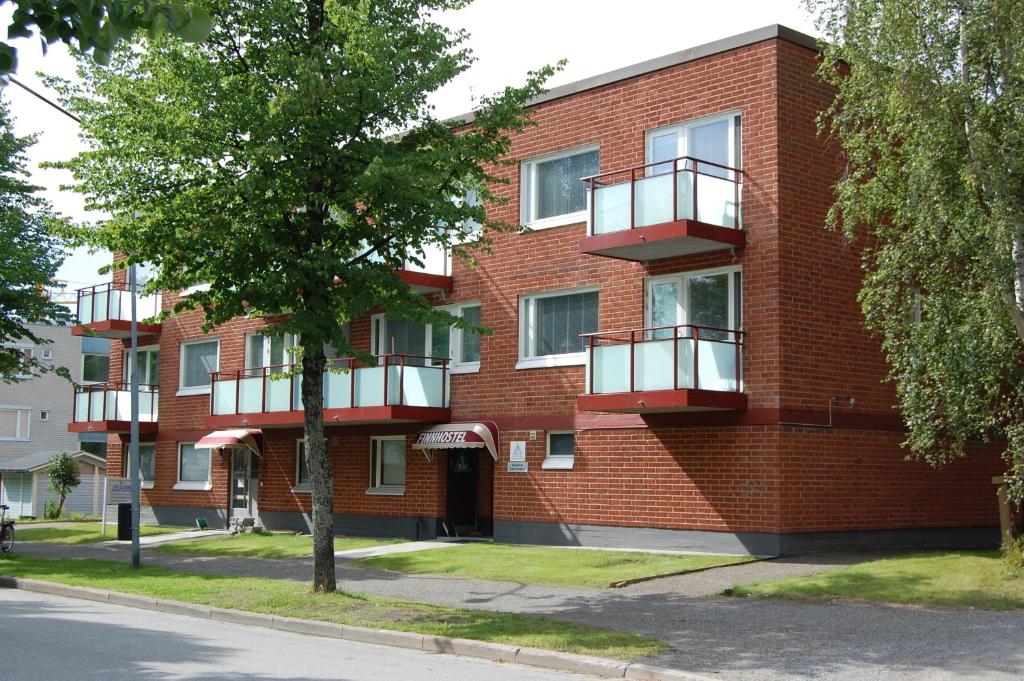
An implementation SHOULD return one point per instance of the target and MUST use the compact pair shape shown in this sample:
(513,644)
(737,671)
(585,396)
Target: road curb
(533,657)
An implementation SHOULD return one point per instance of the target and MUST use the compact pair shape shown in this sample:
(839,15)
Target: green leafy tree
(930,114)
(293,163)
(31,256)
(96,26)
(64,478)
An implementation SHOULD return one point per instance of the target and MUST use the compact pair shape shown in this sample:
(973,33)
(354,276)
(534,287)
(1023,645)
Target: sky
(507,37)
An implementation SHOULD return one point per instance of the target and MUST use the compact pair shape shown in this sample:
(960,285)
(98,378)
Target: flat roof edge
(774,31)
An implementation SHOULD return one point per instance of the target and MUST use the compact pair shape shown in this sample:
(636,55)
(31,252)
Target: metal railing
(394,380)
(104,302)
(113,402)
(634,360)
(665,191)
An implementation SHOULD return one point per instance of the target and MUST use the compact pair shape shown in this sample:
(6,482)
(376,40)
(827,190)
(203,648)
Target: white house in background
(35,412)
(26,486)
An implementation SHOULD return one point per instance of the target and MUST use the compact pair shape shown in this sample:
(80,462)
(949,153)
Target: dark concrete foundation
(356,525)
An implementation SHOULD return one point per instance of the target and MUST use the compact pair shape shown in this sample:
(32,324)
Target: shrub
(1013,556)
(52,510)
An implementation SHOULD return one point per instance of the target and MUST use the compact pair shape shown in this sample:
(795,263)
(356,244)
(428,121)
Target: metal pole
(133,461)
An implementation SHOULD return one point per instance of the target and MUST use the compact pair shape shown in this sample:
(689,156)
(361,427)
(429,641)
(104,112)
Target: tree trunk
(60,506)
(321,473)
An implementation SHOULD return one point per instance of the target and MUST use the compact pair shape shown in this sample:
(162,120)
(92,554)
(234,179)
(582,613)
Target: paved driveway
(732,638)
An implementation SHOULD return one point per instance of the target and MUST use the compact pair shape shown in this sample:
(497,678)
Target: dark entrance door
(463,469)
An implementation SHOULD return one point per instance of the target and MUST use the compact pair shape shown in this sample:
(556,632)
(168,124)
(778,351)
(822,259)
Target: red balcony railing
(112,402)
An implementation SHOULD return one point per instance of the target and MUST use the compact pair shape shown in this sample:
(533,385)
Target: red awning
(460,436)
(240,438)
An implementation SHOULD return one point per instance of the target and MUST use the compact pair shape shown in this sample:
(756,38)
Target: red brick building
(730,399)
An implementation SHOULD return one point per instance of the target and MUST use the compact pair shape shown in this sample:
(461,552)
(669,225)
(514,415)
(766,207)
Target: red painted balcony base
(114,328)
(334,417)
(665,240)
(660,401)
(424,282)
(111,427)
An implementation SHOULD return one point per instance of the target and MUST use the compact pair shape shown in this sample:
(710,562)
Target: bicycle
(6,530)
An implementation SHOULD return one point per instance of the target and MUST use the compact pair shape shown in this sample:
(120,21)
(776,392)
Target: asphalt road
(48,638)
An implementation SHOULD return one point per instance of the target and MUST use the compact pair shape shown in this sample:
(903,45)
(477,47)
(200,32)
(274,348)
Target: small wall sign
(517,450)
(518,467)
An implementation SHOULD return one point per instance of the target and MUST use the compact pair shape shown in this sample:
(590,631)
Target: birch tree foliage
(930,115)
(292,162)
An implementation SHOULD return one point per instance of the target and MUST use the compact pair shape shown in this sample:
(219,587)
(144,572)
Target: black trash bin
(124,522)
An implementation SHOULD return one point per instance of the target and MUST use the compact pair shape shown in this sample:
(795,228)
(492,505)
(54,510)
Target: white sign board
(518,467)
(119,491)
(517,451)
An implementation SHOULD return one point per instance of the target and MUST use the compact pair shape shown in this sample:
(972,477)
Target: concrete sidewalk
(392,549)
(732,638)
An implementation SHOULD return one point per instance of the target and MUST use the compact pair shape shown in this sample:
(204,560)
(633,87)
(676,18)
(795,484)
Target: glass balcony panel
(96,405)
(369,386)
(611,208)
(278,394)
(224,397)
(716,199)
(420,387)
(717,364)
(653,200)
(337,390)
(250,395)
(611,368)
(297,393)
(435,261)
(653,366)
(85,308)
(81,407)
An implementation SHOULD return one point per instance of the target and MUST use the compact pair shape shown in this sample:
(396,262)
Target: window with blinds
(553,323)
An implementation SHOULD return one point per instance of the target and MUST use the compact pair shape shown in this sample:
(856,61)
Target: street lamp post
(133,461)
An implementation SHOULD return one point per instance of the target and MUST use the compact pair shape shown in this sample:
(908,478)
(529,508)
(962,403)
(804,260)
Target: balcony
(399,389)
(108,408)
(663,210)
(105,310)
(664,369)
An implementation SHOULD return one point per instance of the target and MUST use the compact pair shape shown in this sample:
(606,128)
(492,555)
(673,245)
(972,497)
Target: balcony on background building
(664,369)
(433,276)
(108,408)
(663,210)
(105,310)
(399,389)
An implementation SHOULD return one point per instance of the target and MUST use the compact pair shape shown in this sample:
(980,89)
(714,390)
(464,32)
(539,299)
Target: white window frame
(125,367)
(528,359)
(683,296)
(24,349)
(199,389)
(683,130)
(82,368)
(380,320)
(528,190)
(48,354)
(291,340)
(195,485)
(144,484)
(301,487)
(455,335)
(19,436)
(375,466)
(558,462)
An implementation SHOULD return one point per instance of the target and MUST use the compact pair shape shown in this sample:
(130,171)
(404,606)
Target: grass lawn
(275,545)
(81,533)
(294,599)
(544,565)
(960,579)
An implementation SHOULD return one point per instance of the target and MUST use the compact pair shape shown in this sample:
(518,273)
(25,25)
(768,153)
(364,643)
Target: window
(551,325)
(265,351)
(198,360)
(461,347)
(711,299)
(147,463)
(193,467)
(97,448)
(397,336)
(26,369)
(301,469)
(387,465)
(148,364)
(14,423)
(47,354)
(44,416)
(95,368)
(552,190)
(715,139)
(561,450)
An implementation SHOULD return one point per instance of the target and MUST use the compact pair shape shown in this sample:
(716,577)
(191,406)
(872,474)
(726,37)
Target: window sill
(469,368)
(146,485)
(577,218)
(386,491)
(571,359)
(558,463)
(193,486)
(302,489)
(188,392)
